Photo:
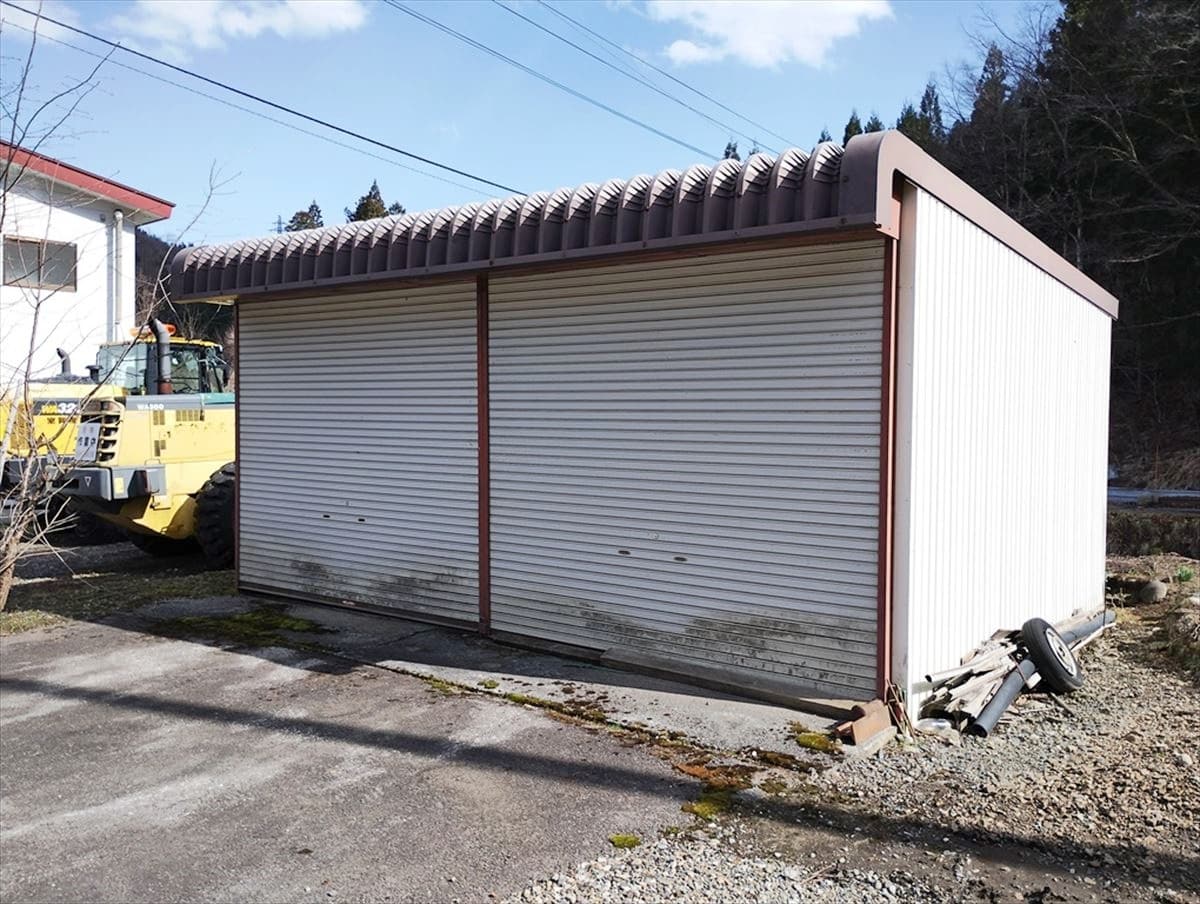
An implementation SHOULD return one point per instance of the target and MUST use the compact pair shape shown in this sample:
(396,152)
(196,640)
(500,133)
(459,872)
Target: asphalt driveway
(137,767)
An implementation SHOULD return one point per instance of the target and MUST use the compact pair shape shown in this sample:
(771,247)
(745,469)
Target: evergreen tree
(985,144)
(305,219)
(874,124)
(908,121)
(853,127)
(371,206)
(825,136)
(924,125)
(991,90)
(731,152)
(931,114)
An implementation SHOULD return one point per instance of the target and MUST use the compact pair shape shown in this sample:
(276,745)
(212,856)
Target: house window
(39,265)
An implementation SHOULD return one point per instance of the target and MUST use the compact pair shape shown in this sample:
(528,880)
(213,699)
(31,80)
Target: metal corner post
(483,443)
(887,459)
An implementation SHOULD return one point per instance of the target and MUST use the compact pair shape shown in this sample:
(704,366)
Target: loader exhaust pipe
(64,362)
(162,351)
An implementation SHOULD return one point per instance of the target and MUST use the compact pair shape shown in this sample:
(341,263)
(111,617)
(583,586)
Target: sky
(791,68)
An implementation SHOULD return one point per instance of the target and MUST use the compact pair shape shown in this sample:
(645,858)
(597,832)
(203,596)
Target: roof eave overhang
(874,162)
(138,207)
(844,228)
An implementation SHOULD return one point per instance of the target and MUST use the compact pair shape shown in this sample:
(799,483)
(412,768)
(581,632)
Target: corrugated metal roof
(729,198)
(830,188)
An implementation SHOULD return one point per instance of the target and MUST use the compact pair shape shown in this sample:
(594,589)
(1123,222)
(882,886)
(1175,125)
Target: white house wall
(357,450)
(74,321)
(1002,382)
(684,462)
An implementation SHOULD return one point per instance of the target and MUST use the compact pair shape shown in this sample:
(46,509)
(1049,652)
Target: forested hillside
(1087,130)
(204,321)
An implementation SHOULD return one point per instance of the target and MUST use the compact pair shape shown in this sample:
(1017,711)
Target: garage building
(798,426)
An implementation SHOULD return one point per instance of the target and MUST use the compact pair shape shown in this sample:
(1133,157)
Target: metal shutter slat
(723,410)
(361,407)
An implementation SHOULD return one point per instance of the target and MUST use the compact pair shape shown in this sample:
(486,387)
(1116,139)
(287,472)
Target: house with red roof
(67,277)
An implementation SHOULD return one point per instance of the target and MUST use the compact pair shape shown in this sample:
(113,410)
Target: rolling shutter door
(357,470)
(684,462)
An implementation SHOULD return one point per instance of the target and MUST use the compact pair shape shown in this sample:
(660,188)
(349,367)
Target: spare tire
(215,505)
(1054,660)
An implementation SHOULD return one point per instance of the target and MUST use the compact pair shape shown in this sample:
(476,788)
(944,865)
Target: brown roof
(830,189)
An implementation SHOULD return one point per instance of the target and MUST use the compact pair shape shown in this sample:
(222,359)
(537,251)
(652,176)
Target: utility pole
(278,223)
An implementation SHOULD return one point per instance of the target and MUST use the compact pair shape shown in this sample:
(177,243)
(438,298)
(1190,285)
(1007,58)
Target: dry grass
(1179,469)
(1132,532)
(47,602)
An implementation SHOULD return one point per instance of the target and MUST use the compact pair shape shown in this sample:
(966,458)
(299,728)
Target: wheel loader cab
(196,366)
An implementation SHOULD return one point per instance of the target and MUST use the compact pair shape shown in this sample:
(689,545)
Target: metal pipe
(64,362)
(162,351)
(118,311)
(1101,621)
(1013,684)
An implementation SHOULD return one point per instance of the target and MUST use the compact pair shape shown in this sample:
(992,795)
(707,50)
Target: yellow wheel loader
(44,417)
(39,424)
(45,414)
(159,463)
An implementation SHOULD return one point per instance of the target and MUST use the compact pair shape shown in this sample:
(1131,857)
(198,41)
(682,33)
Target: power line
(421,17)
(248,110)
(269,103)
(663,72)
(606,50)
(637,78)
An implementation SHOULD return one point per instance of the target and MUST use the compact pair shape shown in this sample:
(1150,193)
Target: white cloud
(176,28)
(763,33)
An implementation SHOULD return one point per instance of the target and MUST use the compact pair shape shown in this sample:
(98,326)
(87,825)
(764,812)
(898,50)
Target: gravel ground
(706,868)
(1092,800)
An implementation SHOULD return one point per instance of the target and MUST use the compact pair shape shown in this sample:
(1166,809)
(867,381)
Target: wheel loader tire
(92,530)
(161,547)
(214,516)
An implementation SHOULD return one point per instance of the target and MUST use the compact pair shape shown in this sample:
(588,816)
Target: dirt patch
(728,777)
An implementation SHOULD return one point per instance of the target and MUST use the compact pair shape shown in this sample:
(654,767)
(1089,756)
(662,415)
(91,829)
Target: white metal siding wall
(685,461)
(357,468)
(1001,441)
